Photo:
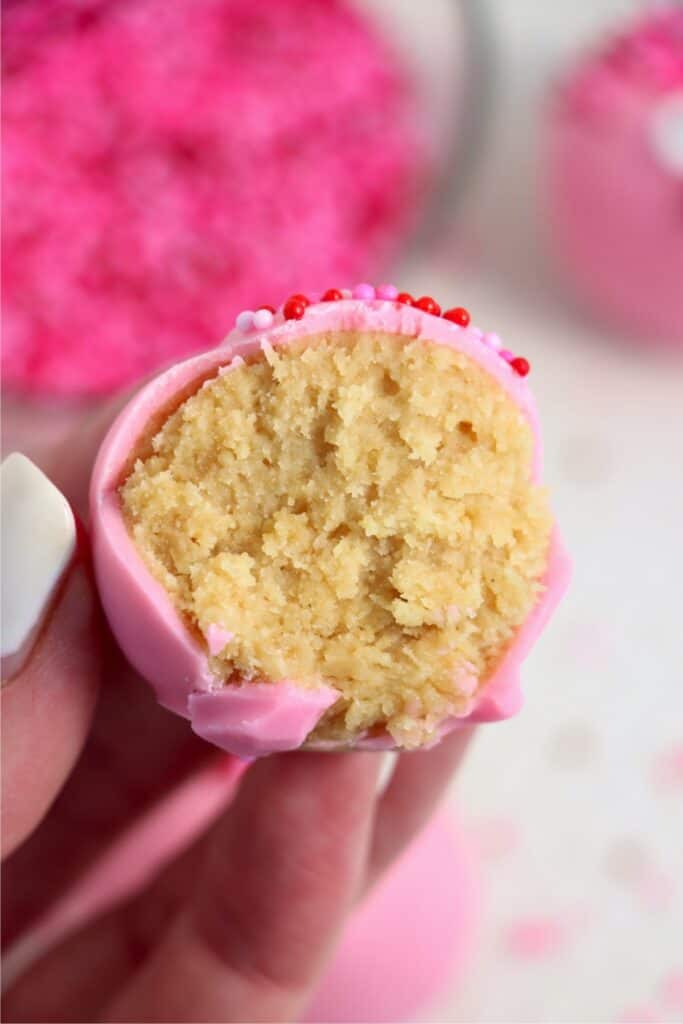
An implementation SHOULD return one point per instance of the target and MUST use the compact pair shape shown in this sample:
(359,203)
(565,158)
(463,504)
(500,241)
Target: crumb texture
(356,511)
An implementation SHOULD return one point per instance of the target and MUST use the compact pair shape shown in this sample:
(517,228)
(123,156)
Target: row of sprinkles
(296,305)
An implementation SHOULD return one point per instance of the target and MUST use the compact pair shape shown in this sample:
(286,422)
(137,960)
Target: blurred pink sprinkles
(163,167)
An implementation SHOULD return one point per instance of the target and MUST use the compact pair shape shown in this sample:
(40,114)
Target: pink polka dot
(671,991)
(656,890)
(668,769)
(638,1015)
(495,838)
(534,938)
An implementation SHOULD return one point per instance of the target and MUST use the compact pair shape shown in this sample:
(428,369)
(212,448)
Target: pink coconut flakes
(166,165)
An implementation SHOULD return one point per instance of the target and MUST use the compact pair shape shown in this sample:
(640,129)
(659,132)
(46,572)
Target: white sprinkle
(244,321)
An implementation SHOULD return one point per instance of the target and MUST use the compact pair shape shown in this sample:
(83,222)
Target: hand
(239,925)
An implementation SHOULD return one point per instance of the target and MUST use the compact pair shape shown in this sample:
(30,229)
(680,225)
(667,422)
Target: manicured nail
(38,543)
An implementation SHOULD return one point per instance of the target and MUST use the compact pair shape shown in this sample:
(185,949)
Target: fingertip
(47,707)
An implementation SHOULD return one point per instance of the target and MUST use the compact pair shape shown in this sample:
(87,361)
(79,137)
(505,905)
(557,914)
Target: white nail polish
(38,542)
(386,770)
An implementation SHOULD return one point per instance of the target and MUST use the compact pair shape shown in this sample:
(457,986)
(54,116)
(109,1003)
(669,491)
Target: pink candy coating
(253,723)
(217,638)
(613,183)
(152,634)
(387,291)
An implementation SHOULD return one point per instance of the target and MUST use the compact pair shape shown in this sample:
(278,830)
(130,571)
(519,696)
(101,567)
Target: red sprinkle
(332,295)
(520,365)
(271,309)
(294,308)
(406,298)
(298,297)
(428,305)
(457,316)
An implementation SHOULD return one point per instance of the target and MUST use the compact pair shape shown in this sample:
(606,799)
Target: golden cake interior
(357,510)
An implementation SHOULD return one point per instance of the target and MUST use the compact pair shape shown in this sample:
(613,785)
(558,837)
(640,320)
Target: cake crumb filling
(355,510)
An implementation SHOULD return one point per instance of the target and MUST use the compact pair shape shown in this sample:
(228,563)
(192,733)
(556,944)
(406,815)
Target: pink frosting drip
(152,634)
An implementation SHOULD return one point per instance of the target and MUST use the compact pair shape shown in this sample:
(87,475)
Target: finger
(419,781)
(279,880)
(50,647)
(272,883)
(136,752)
(115,779)
(80,973)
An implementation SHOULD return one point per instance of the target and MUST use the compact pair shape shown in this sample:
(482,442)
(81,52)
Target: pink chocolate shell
(252,719)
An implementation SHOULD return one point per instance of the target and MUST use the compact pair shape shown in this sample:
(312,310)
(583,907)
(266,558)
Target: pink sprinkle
(507,355)
(363,291)
(494,341)
(387,291)
(244,321)
(534,938)
(263,319)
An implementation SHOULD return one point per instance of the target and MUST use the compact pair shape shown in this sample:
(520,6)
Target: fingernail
(386,770)
(38,543)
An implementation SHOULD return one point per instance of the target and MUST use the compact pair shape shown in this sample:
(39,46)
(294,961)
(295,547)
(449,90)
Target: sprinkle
(507,355)
(405,298)
(244,321)
(294,308)
(263,319)
(264,305)
(521,366)
(458,316)
(387,291)
(428,305)
(364,291)
(493,341)
(303,299)
(332,295)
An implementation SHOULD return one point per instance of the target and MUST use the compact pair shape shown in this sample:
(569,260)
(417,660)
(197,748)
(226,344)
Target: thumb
(50,658)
